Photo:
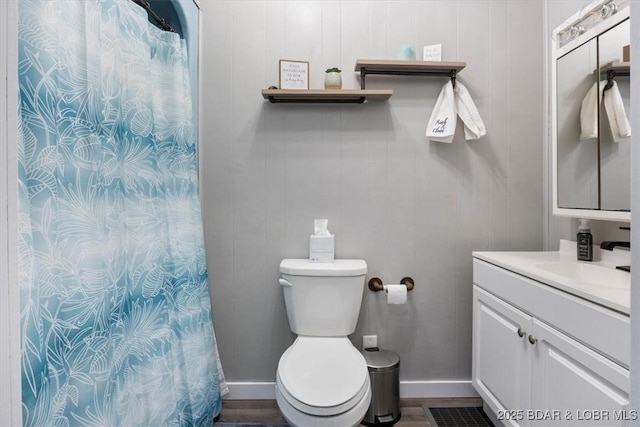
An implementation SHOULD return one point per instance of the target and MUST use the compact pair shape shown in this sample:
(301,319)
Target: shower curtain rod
(163,24)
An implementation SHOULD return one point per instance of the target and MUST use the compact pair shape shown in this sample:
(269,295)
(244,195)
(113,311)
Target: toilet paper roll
(396,294)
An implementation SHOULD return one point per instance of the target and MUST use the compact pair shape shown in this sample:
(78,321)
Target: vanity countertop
(597,281)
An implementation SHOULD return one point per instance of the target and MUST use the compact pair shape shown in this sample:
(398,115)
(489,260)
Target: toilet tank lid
(340,267)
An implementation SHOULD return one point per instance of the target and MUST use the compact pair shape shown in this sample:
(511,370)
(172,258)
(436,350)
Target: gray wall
(406,205)
(635,216)
(10,366)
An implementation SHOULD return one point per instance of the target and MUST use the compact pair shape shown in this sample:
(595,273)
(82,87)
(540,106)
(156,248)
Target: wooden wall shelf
(620,68)
(406,68)
(321,96)
(365,67)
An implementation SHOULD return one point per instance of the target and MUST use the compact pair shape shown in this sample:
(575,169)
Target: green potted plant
(333,79)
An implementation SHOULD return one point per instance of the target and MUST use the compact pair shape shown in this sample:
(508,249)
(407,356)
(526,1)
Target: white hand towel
(589,113)
(614,107)
(442,123)
(473,125)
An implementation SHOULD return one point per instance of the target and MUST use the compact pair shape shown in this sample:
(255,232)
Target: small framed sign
(294,74)
(432,53)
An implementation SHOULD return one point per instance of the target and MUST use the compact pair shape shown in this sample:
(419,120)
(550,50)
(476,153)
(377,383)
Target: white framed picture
(432,53)
(294,74)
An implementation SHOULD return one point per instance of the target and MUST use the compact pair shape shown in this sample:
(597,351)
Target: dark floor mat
(458,417)
(225,424)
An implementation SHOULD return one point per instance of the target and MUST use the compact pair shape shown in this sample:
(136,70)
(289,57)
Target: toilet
(322,379)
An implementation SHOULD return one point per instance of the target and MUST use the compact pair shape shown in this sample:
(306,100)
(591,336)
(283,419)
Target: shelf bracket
(364,71)
(276,100)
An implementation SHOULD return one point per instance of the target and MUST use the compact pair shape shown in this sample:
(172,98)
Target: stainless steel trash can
(384,366)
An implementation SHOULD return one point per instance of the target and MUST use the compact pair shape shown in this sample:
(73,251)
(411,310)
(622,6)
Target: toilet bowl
(322,379)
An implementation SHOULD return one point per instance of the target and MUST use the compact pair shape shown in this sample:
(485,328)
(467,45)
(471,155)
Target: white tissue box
(322,248)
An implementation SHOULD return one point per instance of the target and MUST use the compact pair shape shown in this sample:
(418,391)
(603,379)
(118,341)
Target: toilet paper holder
(375,284)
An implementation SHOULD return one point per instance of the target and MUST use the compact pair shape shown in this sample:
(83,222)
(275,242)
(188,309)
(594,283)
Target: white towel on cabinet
(589,112)
(614,107)
(473,125)
(442,123)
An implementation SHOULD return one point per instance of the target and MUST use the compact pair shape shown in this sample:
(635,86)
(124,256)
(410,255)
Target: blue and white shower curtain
(116,323)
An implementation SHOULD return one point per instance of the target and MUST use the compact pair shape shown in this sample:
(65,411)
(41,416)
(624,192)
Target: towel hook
(611,74)
(452,76)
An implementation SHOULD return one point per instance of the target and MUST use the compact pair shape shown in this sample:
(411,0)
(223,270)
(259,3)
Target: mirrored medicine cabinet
(590,89)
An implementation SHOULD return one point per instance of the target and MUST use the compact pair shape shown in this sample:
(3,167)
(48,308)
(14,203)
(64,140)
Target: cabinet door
(501,367)
(573,385)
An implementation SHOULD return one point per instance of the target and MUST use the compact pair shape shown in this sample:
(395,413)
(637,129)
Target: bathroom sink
(588,274)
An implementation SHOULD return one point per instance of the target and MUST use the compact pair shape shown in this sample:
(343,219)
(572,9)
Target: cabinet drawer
(599,328)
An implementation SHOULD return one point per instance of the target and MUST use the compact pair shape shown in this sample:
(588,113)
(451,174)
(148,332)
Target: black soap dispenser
(584,241)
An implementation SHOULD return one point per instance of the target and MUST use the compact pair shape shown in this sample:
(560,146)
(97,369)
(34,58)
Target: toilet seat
(322,376)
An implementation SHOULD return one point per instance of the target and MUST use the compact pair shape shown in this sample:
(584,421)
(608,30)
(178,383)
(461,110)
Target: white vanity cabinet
(542,356)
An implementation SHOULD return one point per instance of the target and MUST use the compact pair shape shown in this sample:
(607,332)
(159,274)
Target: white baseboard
(249,390)
(432,389)
(408,389)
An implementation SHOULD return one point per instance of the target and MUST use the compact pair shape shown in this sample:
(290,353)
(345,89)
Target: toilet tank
(323,299)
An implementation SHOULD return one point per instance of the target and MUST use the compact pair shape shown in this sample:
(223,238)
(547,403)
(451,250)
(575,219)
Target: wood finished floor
(266,411)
